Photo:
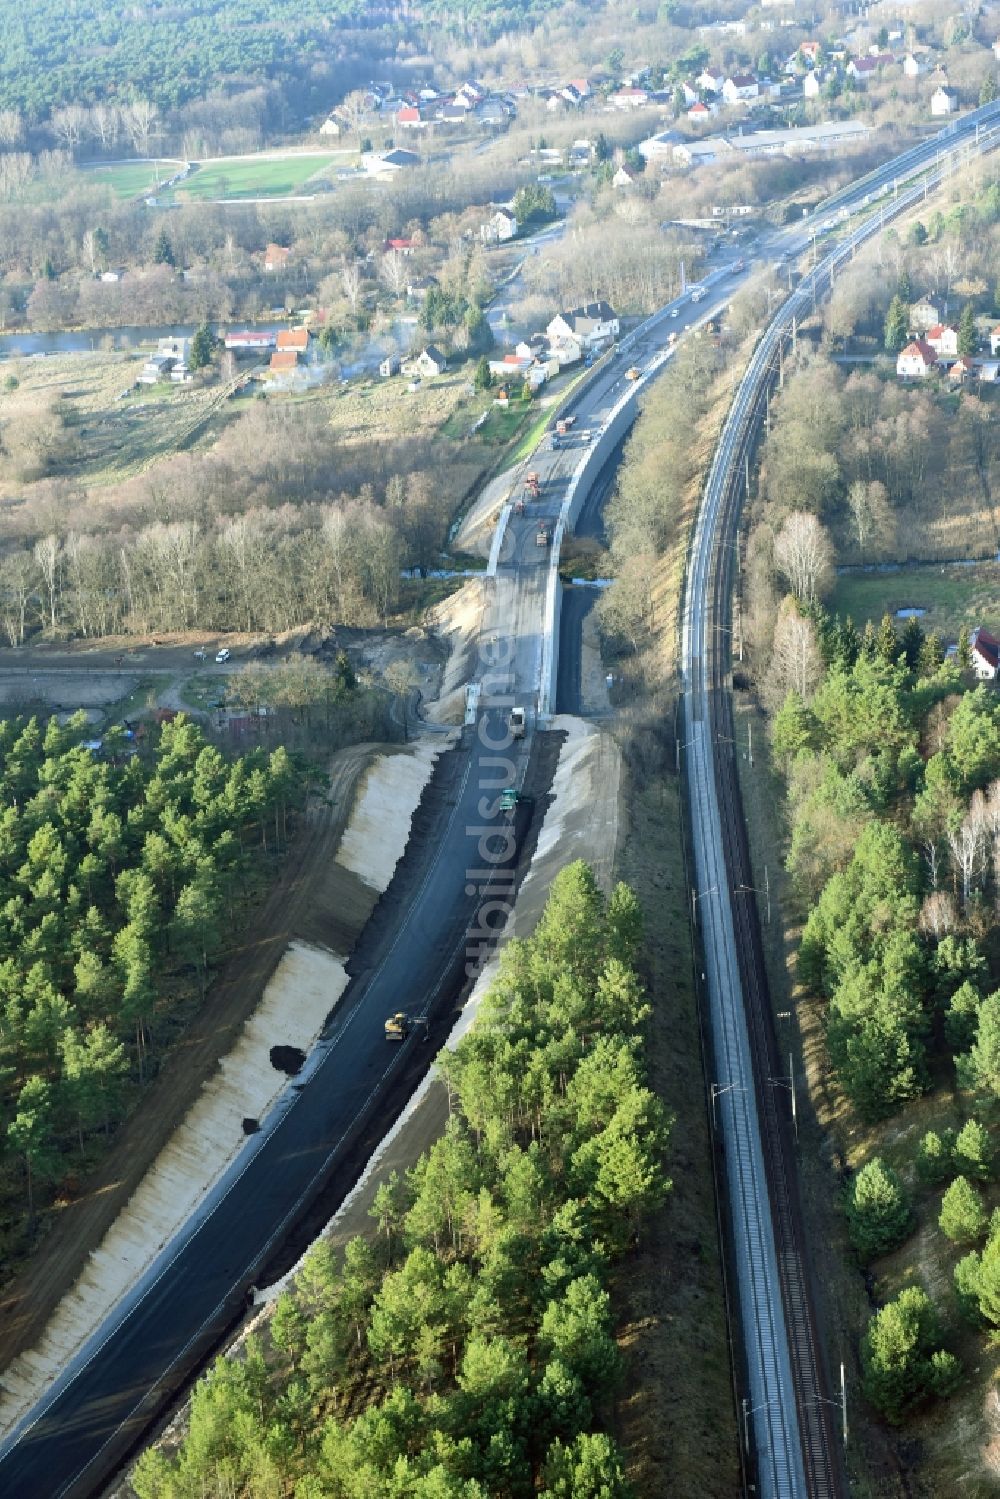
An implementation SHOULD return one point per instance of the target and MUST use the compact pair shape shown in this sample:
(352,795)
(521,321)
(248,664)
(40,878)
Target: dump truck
(533,485)
(516,723)
(563,425)
(397,1027)
(542,536)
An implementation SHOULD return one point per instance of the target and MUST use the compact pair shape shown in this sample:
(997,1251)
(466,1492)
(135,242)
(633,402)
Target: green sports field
(255,176)
(132,179)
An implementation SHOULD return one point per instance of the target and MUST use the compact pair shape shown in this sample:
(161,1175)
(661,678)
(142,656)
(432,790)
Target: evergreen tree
(934,1157)
(896,326)
(963,1216)
(973,1151)
(981,1067)
(878,1213)
(202,350)
(967,339)
(163,251)
(902,1366)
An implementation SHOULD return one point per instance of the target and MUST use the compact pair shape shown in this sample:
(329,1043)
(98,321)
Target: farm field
(258,176)
(952,596)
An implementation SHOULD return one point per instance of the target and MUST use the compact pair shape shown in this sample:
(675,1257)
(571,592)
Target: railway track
(786,1416)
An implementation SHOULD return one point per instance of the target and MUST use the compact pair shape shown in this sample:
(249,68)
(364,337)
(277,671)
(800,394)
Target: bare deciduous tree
(803,552)
(871,514)
(796,664)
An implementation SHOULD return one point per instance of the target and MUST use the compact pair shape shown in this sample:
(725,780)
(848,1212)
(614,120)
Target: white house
(943,339)
(916,360)
(995,341)
(594,323)
(701,113)
(499,227)
(812,83)
(334,125)
(428,363)
(389,366)
(740,88)
(913,67)
(924,314)
(944,101)
(710,81)
(985,650)
(624,177)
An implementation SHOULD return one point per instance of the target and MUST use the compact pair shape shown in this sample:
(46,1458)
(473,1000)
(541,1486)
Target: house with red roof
(943,339)
(410,118)
(916,360)
(985,651)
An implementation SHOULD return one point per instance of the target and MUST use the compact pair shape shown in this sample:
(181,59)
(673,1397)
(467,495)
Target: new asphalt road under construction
(433,926)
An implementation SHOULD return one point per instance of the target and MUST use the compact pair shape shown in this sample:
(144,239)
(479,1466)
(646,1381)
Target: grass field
(131,179)
(952,596)
(113,437)
(256,176)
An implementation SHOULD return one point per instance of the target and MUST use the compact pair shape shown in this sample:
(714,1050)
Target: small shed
(390,366)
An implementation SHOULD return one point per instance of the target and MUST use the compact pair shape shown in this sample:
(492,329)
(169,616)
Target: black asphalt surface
(99,1411)
(576,605)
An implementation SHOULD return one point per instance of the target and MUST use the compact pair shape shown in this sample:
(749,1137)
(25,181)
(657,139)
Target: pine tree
(202,348)
(963,1216)
(974,1151)
(896,325)
(163,251)
(934,1157)
(967,339)
(877,1210)
(901,1364)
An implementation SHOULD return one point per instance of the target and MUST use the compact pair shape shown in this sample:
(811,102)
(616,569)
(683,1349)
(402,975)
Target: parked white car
(222,656)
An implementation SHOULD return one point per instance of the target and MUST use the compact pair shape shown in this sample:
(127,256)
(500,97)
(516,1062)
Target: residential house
(862,68)
(511,366)
(493,113)
(963,369)
(168,363)
(410,118)
(630,98)
(812,84)
(881,59)
(925,314)
(811,50)
(740,88)
(913,66)
(112,274)
(334,125)
(384,165)
(535,347)
(566,350)
(944,101)
(624,176)
(571,95)
(499,227)
(996,49)
(995,341)
(582,86)
(985,651)
(428,363)
(451,114)
(283,362)
(253,340)
(690,94)
(390,366)
(916,360)
(943,339)
(417,290)
(594,323)
(401,246)
(701,113)
(710,80)
(276,257)
(295,340)
(989,371)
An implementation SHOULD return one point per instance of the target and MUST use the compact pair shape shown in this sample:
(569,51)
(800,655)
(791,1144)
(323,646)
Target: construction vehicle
(563,425)
(397,1027)
(516,723)
(542,536)
(508,800)
(533,485)
(633,374)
